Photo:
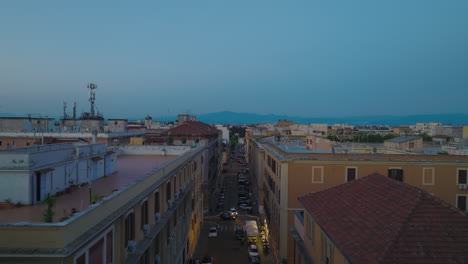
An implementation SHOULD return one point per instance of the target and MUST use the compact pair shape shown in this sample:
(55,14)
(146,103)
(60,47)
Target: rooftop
(190,128)
(379,220)
(402,139)
(129,169)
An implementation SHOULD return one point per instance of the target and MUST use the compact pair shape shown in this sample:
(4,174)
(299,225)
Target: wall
(405,145)
(154,150)
(62,165)
(117,125)
(15,186)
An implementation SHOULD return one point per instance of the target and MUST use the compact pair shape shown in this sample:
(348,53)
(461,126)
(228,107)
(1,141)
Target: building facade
(284,172)
(151,212)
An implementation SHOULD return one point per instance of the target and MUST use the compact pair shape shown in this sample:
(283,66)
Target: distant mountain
(227,117)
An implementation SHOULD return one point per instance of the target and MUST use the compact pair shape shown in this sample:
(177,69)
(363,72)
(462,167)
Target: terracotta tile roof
(379,220)
(189,128)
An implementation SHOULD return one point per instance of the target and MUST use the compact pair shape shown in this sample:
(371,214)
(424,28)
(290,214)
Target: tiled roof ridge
(388,248)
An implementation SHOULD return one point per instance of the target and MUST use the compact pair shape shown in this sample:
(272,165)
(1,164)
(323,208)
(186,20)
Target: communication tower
(92,97)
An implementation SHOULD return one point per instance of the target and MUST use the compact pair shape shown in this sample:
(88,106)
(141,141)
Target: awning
(96,158)
(44,170)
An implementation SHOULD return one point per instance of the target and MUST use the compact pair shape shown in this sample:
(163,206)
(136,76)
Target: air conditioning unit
(157,217)
(462,186)
(131,247)
(157,259)
(146,230)
(170,203)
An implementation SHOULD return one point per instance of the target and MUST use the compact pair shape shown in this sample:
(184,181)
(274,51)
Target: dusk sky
(302,58)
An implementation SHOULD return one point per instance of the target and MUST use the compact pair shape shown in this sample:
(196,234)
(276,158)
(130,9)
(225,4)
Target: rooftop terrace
(129,169)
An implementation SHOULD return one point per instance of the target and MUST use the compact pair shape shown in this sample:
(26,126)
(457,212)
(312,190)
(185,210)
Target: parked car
(207,260)
(239,233)
(255,260)
(245,207)
(213,232)
(253,251)
(225,216)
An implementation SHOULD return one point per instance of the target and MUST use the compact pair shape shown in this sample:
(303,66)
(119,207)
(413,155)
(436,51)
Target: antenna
(92,96)
(65,110)
(74,110)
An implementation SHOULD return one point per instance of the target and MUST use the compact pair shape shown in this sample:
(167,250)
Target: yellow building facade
(283,173)
(155,219)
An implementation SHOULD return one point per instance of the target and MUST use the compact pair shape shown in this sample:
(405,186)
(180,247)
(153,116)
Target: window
(327,250)
(462,176)
(197,140)
(184,141)
(81,259)
(351,174)
(1,142)
(13,143)
(96,252)
(109,247)
(310,230)
(317,174)
(461,202)
(101,250)
(411,145)
(168,190)
(156,202)
(145,257)
(170,141)
(129,228)
(144,214)
(27,144)
(428,176)
(396,174)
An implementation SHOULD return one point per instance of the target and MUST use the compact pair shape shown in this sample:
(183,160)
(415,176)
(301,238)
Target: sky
(305,58)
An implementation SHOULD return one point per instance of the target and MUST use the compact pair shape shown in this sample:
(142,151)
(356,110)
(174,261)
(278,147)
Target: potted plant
(7,204)
(95,198)
(48,213)
(65,215)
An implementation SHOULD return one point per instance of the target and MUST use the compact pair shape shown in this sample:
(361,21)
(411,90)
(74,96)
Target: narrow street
(225,248)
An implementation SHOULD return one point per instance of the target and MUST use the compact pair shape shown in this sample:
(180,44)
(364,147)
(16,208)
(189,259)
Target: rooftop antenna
(74,110)
(65,110)
(92,96)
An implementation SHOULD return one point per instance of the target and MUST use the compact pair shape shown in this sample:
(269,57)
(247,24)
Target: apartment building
(375,219)
(19,132)
(427,128)
(285,171)
(148,211)
(191,133)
